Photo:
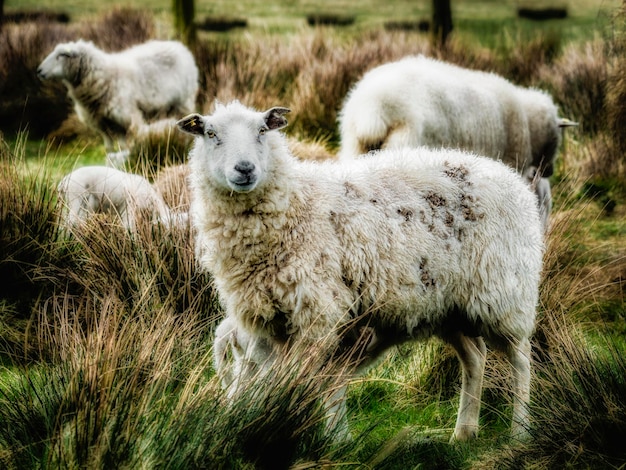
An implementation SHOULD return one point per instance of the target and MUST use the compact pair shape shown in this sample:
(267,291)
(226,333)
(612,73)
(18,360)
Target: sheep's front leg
(519,357)
(336,413)
(472,354)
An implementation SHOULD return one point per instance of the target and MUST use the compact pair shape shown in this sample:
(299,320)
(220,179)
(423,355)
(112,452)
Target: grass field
(105,337)
(485,19)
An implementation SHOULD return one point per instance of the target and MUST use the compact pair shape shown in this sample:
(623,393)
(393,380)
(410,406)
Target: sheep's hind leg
(519,357)
(472,354)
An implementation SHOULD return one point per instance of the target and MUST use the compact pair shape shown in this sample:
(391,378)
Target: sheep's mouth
(243,184)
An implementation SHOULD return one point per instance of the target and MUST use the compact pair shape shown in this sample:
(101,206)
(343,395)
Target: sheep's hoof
(464,434)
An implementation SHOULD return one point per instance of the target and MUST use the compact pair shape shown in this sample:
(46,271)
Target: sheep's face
(232,147)
(63,63)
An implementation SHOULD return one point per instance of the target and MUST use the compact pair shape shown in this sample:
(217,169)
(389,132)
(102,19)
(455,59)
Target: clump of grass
(579,273)
(151,267)
(522,63)
(616,100)
(157,145)
(26,105)
(98,396)
(119,28)
(134,389)
(171,182)
(577,80)
(28,236)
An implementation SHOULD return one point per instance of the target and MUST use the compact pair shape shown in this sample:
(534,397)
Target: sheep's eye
(210,134)
(262,131)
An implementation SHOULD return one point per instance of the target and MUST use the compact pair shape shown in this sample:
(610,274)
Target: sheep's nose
(244,167)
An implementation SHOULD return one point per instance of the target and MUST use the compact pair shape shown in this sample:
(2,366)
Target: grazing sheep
(117,93)
(103,190)
(423,101)
(406,244)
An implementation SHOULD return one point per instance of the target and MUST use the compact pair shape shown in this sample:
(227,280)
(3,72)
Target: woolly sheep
(423,101)
(104,190)
(117,93)
(409,243)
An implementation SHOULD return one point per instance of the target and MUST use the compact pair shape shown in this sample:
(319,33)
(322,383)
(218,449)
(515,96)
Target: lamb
(93,190)
(239,356)
(423,101)
(118,93)
(406,244)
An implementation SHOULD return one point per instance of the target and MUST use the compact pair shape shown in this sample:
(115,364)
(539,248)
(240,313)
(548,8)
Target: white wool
(423,101)
(117,93)
(103,190)
(405,243)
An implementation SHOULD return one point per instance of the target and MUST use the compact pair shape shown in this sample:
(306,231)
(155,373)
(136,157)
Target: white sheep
(407,244)
(93,190)
(423,101)
(117,93)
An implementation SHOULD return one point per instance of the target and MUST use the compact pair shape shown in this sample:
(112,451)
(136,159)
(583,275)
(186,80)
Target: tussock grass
(28,241)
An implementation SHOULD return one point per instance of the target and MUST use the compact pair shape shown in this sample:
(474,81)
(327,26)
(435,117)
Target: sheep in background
(118,93)
(423,101)
(103,190)
(406,244)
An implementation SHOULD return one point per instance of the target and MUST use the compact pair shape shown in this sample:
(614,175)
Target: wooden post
(184,12)
(442,21)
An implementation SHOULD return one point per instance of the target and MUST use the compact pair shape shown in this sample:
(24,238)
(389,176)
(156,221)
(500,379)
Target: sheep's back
(425,232)
(422,101)
(165,75)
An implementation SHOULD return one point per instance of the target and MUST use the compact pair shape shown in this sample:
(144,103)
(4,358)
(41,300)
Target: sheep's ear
(192,124)
(564,122)
(274,118)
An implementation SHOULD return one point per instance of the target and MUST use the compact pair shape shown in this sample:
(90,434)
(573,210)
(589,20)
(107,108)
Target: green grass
(58,160)
(482,19)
